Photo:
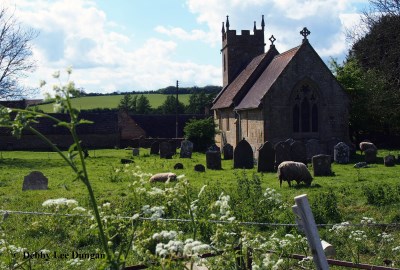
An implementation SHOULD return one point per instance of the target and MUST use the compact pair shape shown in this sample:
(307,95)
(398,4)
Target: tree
(125,103)
(15,56)
(143,105)
(201,132)
(198,102)
(169,106)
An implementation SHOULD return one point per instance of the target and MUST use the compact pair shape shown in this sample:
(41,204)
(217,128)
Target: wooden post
(306,222)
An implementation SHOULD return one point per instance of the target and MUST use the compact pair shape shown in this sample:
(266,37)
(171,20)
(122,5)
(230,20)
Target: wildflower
(386,237)
(367,220)
(165,235)
(79,209)
(106,205)
(358,236)
(59,202)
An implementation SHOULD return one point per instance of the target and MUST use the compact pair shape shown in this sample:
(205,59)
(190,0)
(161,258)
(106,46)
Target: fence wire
(6,213)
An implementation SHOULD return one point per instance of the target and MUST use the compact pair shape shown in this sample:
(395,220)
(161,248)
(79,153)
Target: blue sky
(125,45)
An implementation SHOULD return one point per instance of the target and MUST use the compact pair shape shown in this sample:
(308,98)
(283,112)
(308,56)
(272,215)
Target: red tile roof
(256,93)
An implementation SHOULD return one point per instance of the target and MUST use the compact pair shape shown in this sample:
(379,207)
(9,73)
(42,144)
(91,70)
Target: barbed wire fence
(5,213)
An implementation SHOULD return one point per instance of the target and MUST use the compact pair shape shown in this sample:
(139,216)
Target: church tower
(238,50)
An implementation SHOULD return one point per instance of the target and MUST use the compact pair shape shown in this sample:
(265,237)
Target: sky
(126,45)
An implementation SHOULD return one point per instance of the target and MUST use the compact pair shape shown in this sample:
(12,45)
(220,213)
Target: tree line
(139,104)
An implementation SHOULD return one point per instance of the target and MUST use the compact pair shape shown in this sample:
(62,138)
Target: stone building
(273,96)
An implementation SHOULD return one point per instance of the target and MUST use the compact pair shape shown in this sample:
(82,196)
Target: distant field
(85,103)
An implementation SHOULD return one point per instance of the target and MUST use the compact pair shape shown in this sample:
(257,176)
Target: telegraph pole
(176,110)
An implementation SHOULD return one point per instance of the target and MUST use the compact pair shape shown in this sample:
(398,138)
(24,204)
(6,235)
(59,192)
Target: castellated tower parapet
(238,50)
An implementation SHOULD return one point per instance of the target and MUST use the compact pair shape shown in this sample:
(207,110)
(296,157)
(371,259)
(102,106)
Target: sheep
(163,177)
(291,170)
(367,145)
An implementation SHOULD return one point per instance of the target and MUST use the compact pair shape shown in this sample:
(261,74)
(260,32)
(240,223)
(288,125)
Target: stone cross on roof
(305,32)
(272,39)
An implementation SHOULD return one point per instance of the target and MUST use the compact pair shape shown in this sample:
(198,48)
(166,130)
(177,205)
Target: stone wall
(252,127)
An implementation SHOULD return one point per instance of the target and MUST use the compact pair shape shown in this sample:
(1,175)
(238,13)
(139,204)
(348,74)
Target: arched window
(305,110)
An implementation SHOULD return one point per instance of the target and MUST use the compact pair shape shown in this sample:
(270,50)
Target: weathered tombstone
(370,155)
(322,165)
(266,158)
(35,181)
(227,151)
(186,149)
(243,156)
(178,166)
(389,160)
(199,168)
(155,148)
(313,148)
(213,160)
(341,153)
(135,151)
(165,150)
(282,153)
(298,152)
(214,147)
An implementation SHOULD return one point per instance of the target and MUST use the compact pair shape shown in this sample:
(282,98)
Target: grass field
(369,192)
(112,101)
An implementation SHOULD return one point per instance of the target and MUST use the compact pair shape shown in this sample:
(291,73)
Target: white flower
(106,205)
(79,209)
(59,202)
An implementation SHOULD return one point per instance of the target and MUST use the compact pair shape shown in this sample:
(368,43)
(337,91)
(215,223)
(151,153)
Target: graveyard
(348,194)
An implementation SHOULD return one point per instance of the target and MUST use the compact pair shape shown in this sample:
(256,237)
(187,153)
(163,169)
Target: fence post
(306,222)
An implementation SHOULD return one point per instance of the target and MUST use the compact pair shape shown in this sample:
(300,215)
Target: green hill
(111,102)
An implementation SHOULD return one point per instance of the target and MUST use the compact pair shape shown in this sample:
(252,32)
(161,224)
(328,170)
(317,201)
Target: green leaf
(84,121)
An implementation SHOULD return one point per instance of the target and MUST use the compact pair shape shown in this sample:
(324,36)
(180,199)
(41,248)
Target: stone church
(273,96)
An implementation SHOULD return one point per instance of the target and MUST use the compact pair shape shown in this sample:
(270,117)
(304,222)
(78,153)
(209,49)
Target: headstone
(186,149)
(135,151)
(35,181)
(389,160)
(227,151)
(214,147)
(155,148)
(213,160)
(313,148)
(298,152)
(243,156)
(165,150)
(322,165)
(282,153)
(341,153)
(199,168)
(370,155)
(178,166)
(266,158)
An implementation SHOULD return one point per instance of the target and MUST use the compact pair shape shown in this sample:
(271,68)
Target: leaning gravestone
(282,153)
(155,148)
(243,156)
(266,158)
(322,165)
(298,152)
(35,181)
(165,150)
(178,166)
(389,160)
(341,153)
(186,149)
(313,148)
(213,160)
(227,150)
(135,151)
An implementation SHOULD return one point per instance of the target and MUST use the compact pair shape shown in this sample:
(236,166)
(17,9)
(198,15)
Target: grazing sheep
(291,170)
(163,177)
(367,145)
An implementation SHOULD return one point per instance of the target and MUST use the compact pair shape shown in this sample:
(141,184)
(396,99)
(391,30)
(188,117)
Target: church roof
(254,96)
(228,95)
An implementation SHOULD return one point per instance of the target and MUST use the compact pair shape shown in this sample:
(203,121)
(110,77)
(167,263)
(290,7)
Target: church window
(305,110)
